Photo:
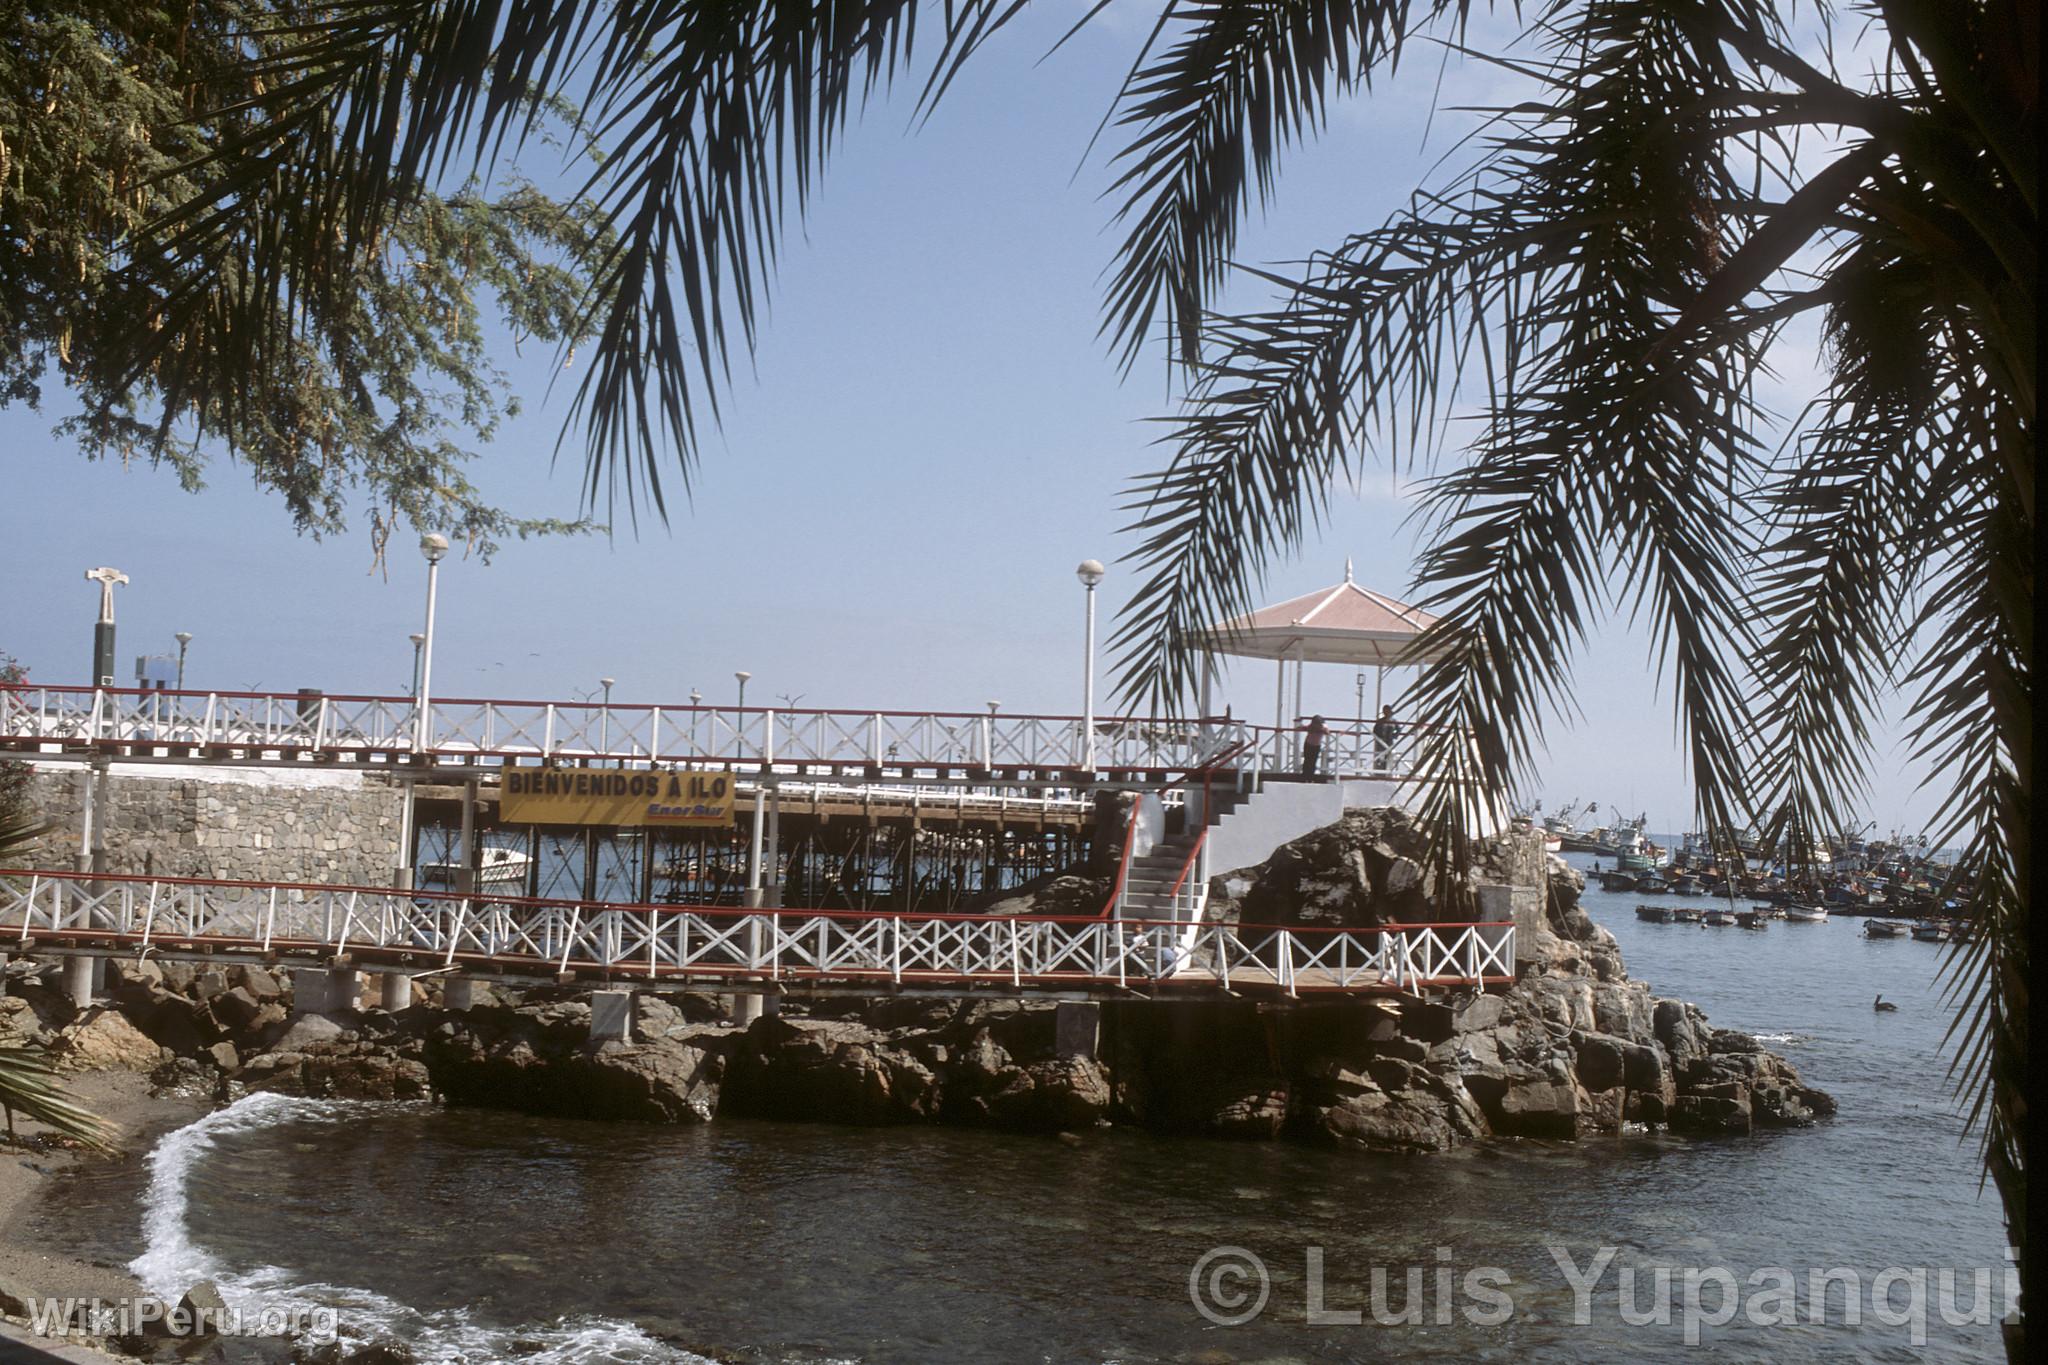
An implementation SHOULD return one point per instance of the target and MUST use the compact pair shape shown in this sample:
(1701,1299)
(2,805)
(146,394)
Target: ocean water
(484,1237)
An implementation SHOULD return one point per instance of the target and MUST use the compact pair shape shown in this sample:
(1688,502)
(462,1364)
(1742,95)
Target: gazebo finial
(1347,568)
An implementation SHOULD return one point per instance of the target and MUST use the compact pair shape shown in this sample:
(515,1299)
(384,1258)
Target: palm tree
(1617,260)
(28,1083)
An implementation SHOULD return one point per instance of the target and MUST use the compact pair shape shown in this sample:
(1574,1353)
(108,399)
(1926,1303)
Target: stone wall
(316,827)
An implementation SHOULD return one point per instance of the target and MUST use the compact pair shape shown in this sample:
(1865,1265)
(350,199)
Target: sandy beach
(27,1261)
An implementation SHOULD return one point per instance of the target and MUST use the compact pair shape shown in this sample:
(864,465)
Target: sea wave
(172,1262)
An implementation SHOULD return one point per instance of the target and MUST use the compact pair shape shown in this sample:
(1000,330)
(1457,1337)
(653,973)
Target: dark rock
(1712,1114)
(1479,1014)
(204,1310)
(1599,1060)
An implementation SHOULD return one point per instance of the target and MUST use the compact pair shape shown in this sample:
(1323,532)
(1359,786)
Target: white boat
(494,866)
(1806,914)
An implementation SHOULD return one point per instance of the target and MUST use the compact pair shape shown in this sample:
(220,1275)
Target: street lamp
(742,675)
(434,548)
(1361,696)
(1090,572)
(184,639)
(604,720)
(103,629)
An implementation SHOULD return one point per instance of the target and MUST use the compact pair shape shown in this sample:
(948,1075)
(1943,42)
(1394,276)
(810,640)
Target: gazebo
(1345,624)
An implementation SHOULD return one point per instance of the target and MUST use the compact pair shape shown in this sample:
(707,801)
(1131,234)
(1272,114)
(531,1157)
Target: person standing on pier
(1312,747)
(1384,732)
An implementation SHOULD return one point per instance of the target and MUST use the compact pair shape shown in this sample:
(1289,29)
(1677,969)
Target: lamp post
(1090,572)
(1361,696)
(696,700)
(417,641)
(434,548)
(742,675)
(184,639)
(604,720)
(103,629)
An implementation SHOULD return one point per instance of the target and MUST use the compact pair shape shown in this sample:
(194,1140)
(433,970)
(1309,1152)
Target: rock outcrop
(1573,1047)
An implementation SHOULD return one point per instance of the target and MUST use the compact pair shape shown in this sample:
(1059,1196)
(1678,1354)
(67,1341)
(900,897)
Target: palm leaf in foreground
(28,1083)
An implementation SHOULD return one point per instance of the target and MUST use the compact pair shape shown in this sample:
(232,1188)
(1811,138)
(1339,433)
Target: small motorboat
(1688,886)
(1929,932)
(1616,881)
(1720,919)
(1883,928)
(1806,914)
(1651,885)
(1684,914)
(494,865)
(1655,914)
(1750,919)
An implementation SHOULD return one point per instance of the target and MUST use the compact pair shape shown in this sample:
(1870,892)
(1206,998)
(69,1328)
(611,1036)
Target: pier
(1003,796)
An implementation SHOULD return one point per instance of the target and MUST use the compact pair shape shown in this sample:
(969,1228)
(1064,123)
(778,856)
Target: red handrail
(708,910)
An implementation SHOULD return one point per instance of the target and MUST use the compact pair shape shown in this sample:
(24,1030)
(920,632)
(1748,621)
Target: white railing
(53,911)
(287,727)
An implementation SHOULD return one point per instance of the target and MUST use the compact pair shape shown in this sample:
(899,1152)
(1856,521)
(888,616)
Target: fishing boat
(1750,919)
(1883,928)
(1720,919)
(1617,881)
(1806,914)
(1688,885)
(1655,914)
(494,866)
(1651,886)
(1929,932)
(1684,914)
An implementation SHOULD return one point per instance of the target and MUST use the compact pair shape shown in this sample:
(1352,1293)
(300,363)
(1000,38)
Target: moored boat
(1684,914)
(1883,928)
(1655,914)
(1806,914)
(1750,919)
(1929,932)
(1720,919)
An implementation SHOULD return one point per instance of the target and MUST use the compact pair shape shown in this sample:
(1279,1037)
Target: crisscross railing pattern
(310,726)
(288,921)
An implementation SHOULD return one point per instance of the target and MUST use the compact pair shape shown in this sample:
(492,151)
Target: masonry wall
(261,830)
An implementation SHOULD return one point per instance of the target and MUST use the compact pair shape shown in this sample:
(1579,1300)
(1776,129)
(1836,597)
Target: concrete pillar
(745,1009)
(1076,1028)
(309,990)
(344,988)
(396,992)
(78,978)
(611,1016)
(103,975)
(458,993)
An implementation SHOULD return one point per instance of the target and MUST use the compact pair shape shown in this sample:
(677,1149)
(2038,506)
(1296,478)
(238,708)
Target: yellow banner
(598,796)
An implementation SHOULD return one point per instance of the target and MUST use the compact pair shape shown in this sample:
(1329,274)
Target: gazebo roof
(1346,624)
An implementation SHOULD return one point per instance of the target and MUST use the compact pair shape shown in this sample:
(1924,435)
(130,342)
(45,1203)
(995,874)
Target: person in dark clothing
(1384,732)
(1312,747)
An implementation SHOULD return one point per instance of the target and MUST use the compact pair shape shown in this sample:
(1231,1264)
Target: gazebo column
(1300,667)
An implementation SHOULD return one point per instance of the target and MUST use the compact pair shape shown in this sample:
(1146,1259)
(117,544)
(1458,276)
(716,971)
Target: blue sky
(930,438)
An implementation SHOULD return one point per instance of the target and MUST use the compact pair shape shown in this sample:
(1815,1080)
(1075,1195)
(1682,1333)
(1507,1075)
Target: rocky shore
(1573,1048)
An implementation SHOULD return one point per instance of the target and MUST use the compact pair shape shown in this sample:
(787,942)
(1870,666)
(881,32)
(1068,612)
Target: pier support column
(344,988)
(79,973)
(458,994)
(1076,1028)
(745,1009)
(395,992)
(611,1016)
(309,990)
